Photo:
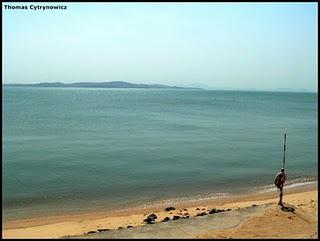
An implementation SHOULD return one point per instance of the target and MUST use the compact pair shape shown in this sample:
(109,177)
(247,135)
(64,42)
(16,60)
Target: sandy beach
(271,222)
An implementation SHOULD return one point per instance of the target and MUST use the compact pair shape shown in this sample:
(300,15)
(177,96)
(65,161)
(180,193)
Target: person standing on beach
(279,182)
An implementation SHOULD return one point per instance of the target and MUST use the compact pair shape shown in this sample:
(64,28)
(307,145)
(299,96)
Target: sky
(209,45)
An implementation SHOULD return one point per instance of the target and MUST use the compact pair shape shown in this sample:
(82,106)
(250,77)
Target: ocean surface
(81,149)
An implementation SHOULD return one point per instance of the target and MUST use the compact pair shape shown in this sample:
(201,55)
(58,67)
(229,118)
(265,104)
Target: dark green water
(77,149)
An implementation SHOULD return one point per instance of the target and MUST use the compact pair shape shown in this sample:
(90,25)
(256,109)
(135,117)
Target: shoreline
(79,224)
(294,184)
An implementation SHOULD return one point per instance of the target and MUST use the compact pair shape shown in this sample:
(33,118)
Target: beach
(298,220)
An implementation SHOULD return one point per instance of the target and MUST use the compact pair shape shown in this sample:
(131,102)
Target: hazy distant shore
(111,84)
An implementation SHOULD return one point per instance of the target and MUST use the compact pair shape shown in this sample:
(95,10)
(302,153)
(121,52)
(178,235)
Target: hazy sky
(245,46)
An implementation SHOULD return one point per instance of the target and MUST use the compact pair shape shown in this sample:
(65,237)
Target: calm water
(79,149)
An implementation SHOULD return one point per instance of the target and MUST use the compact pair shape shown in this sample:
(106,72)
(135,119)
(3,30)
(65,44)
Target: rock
(186,217)
(129,226)
(201,214)
(220,210)
(169,209)
(152,216)
(198,209)
(103,229)
(120,228)
(91,232)
(176,217)
(149,221)
(185,209)
(166,219)
(253,205)
(186,214)
(212,211)
(229,209)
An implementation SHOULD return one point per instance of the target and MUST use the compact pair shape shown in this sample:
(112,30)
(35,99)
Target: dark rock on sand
(152,216)
(149,221)
(253,205)
(120,228)
(176,217)
(129,226)
(169,209)
(185,209)
(220,210)
(229,209)
(103,230)
(201,214)
(198,209)
(186,217)
(91,232)
(166,219)
(212,211)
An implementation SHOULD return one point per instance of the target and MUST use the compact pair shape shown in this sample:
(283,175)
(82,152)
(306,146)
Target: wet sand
(267,222)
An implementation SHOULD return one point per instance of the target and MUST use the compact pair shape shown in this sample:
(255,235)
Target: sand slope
(278,222)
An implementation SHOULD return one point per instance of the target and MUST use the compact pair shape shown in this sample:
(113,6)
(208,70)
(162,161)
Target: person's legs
(280,197)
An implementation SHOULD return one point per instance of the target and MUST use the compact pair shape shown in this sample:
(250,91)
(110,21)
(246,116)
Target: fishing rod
(284,149)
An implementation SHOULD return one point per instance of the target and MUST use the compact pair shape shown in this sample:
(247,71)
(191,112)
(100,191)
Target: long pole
(284,149)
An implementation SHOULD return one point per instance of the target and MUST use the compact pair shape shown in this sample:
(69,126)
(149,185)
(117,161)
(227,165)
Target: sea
(71,150)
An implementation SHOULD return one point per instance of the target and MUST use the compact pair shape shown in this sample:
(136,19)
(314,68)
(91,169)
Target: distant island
(112,84)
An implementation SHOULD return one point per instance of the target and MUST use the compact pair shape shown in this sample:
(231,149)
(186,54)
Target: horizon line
(203,88)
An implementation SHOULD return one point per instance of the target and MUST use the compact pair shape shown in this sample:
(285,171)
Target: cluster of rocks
(201,214)
(151,219)
(212,211)
(175,217)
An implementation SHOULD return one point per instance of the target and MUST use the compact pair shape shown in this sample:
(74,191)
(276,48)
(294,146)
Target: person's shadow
(287,208)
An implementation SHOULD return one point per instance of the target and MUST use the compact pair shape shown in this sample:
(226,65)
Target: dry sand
(276,222)
(272,223)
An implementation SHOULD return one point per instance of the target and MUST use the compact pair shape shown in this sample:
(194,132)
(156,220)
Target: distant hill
(112,84)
